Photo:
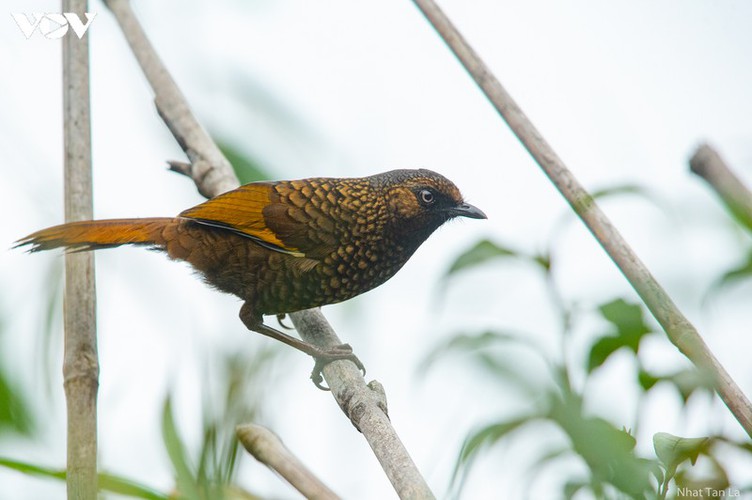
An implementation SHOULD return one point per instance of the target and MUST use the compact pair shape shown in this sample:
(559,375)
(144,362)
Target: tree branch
(213,175)
(709,165)
(80,364)
(365,406)
(267,448)
(678,328)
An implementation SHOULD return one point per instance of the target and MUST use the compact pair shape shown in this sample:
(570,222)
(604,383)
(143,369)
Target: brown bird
(289,245)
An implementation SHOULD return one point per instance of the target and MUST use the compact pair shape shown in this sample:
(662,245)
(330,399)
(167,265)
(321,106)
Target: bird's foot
(326,356)
(281,320)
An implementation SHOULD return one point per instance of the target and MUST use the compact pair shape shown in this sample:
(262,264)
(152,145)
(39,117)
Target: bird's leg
(322,355)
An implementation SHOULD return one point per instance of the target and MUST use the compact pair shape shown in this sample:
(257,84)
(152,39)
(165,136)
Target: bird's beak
(467,210)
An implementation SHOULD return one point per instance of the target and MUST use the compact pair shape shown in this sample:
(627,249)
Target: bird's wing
(258,211)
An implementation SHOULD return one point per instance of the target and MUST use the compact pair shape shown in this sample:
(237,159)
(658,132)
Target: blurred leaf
(571,488)
(690,380)
(246,168)
(122,486)
(647,380)
(627,318)
(630,326)
(490,434)
(484,353)
(741,272)
(608,451)
(243,377)
(686,381)
(15,415)
(32,469)
(50,340)
(483,251)
(602,349)
(467,343)
(630,189)
(187,482)
(483,438)
(107,482)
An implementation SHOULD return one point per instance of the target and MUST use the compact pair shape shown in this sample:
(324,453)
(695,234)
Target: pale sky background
(624,91)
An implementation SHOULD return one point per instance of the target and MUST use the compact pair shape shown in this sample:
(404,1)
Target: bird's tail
(96,234)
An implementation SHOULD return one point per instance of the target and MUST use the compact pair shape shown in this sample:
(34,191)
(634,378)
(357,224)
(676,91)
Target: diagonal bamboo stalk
(80,365)
(678,328)
(212,173)
(267,448)
(708,164)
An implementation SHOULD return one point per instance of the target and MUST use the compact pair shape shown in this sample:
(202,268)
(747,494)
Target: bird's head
(419,201)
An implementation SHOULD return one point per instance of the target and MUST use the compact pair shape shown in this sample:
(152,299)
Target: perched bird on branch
(289,245)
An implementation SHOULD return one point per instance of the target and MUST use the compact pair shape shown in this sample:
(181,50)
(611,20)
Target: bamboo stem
(267,448)
(80,364)
(708,164)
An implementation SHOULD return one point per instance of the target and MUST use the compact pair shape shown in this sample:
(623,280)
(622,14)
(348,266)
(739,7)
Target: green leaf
(629,325)
(673,450)
(463,342)
(602,349)
(608,451)
(107,482)
(647,380)
(686,381)
(123,486)
(187,483)
(690,380)
(571,488)
(246,168)
(481,253)
(631,189)
(32,469)
(487,436)
(741,272)
(484,353)
(15,415)
(627,318)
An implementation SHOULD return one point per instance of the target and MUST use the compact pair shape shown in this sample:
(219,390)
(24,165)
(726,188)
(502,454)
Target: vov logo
(53,25)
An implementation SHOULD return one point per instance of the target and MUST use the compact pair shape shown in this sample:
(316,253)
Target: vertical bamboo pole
(80,364)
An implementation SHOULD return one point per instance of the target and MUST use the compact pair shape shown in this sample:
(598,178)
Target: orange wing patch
(242,210)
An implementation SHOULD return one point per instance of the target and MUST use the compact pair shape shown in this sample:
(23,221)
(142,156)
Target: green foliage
(213,475)
(629,328)
(607,450)
(740,272)
(246,168)
(481,253)
(107,482)
(188,484)
(614,469)
(15,415)
(674,451)
(686,381)
(485,251)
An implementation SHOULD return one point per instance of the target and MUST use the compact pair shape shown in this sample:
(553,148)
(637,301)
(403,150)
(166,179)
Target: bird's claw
(280,320)
(342,351)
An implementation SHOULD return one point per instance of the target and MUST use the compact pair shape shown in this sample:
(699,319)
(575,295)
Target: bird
(289,245)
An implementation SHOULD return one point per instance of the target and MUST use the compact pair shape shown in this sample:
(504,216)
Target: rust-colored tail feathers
(96,234)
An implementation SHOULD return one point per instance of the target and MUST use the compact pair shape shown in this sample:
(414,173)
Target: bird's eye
(426,197)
